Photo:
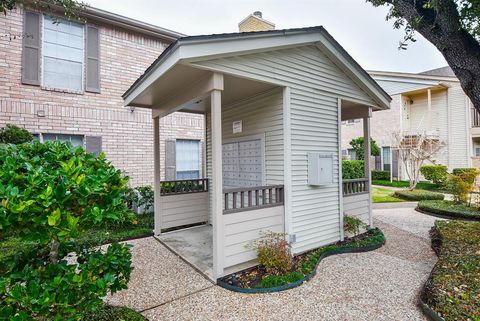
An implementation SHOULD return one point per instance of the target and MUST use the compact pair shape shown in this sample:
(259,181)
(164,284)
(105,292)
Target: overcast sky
(359,27)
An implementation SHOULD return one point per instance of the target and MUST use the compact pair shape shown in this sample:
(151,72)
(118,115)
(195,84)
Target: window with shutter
(93,144)
(187,159)
(31,49)
(75,140)
(63,54)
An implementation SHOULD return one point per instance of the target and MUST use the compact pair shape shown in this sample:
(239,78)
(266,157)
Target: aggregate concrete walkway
(378,285)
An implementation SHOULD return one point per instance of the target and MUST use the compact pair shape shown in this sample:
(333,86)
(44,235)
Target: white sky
(359,27)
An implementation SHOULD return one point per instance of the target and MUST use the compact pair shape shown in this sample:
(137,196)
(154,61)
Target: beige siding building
(431,102)
(65,81)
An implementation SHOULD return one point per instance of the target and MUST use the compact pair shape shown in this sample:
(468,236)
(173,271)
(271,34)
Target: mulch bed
(250,278)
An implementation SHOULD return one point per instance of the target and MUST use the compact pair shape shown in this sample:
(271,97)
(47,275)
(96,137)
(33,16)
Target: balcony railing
(183,186)
(355,186)
(475,118)
(252,198)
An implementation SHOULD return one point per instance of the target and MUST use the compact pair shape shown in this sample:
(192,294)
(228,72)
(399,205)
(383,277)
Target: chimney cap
(257,14)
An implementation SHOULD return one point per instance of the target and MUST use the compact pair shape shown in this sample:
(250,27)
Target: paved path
(378,285)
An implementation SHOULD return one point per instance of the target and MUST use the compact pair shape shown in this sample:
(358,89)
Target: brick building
(65,80)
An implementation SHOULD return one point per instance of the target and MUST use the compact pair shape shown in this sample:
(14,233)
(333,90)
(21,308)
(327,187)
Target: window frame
(199,157)
(41,137)
(42,59)
(383,158)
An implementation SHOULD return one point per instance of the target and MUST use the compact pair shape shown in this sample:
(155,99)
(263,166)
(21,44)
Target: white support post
(156,175)
(367,152)
(340,175)
(217,184)
(429,119)
(287,161)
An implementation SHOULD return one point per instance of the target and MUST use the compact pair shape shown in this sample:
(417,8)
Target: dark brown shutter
(92,60)
(93,144)
(378,163)
(394,168)
(170,160)
(31,49)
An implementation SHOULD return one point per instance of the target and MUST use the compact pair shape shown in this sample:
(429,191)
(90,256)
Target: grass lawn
(384,195)
(450,209)
(404,184)
(453,289)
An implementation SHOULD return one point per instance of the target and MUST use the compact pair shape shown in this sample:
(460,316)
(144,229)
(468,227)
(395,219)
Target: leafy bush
(453,288)
(459,171)
(140,197)
(462,184)
(49,193)
(12,134)
(451,209)
(273,253)
(358,145)
(381,175)
(111,313)
(353,169)
(352,225)
(435,173)
(418,195)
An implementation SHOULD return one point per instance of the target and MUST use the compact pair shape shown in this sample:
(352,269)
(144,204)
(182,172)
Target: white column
(217,184)
(367,149)
(429,117)
(156,175)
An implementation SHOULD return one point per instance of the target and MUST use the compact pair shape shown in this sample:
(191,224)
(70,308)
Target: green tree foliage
(11,134)
(452,26)
(71,8)
(358,146)
(49,193)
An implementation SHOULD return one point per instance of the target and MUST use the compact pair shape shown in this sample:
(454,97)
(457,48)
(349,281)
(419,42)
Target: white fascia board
(375,73)
(407,80)
(354,72)
(160,69)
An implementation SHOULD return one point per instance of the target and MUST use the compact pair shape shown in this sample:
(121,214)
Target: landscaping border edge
(306,278)
(447,217)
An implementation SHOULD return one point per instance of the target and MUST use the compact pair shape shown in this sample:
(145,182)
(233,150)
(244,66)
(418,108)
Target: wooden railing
(475,118)
(183,186)
(252,198)
(355,186)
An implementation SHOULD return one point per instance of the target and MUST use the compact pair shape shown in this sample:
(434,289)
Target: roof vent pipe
(258,14)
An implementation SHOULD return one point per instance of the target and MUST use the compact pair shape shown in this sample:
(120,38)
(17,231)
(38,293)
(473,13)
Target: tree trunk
(54,245)
(443,29)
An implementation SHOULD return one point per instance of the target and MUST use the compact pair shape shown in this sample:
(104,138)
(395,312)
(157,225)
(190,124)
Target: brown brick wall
(127,137)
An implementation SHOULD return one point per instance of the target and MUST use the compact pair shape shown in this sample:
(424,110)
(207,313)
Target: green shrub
(453,288)
(273,253)
(381,175)
(418,195)
(458,171)
(49,194)
(352,225)
(435,173)
(462,184)
(451,209)
(140,196)
(11,134)
(271,281)
(113,313)
(353,169)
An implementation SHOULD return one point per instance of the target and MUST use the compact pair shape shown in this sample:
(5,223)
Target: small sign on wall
(237,126)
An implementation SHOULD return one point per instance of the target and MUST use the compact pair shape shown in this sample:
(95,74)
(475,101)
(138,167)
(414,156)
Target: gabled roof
(199,47)
(441,72)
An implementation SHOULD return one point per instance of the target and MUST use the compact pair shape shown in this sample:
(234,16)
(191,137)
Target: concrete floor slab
(194,245)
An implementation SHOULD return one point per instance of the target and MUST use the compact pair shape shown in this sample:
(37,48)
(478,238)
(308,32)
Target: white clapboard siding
(358,206)
(244,227)
(184,209)
(459,124)
(398,87)
(316,84)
